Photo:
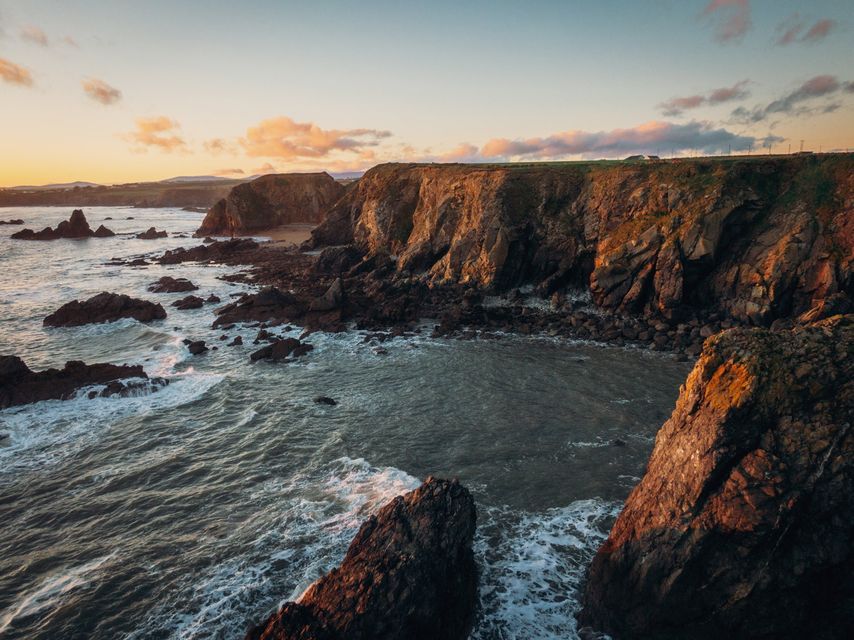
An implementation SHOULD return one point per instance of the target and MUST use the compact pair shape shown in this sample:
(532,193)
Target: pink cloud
(284,138)
(792,30)
(676,106)
(34,35)
(735,21)
(100,91)
(159,132)
(819,30)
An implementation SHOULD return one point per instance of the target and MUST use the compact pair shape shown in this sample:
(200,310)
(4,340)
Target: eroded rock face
(271,201)
(75,227)
(743,525)
(752,239)
(19,385)
(151,234)
(409,573)
(104,307)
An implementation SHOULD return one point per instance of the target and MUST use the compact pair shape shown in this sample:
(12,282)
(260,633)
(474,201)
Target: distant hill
(54,187)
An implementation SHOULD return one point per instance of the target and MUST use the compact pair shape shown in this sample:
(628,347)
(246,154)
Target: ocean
(194,511)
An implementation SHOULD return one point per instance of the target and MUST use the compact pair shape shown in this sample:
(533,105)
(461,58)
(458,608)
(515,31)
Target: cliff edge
(742,524)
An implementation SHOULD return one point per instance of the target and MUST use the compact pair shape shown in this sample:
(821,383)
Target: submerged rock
(19,385)
(325,400)
(12,222)
(743,525)
(409,573)
(104,307)
(168,284)
(281,349)
(196,347)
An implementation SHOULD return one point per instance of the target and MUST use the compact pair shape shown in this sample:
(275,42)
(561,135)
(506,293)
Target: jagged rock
(236,342)
(271,201)
(334,298)
(168,284)
(14,222)
(269,304)
(281,349)
(190,302)
(104,307)
(213,251)
(19,385)
(743,524)
(337,260)
(151,234)
(75,227)
(325,400)
(409,573)
(196,347)
(212,299)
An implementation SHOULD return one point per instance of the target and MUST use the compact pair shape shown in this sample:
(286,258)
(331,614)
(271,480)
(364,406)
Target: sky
(123,91)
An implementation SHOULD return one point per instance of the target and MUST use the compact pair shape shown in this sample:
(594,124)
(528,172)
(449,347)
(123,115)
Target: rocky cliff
(742,525)
(270,201)
(409,573)
(753,239)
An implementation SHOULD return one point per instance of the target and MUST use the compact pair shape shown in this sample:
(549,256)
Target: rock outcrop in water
(104,307)
(749,239)
(271,201)
(168,284)
(743,525)
(19,385)
(75,227)
(151,234)
(409,573)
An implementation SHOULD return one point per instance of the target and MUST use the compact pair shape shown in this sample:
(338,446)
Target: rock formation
(168,284)
(189,302)
(409,573)
(151,234)
(750,239)
(104,307)
(270,201)
(75,227)
(281,350)
(743,525)
(19,385)
(12,222)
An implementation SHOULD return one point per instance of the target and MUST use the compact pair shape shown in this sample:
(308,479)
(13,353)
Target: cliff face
(755,239)
(741,526)
(271,201)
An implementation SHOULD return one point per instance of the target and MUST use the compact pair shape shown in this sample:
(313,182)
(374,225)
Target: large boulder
(104,307)
(168,284)
(271,201)
(743,525)
(19,385)
(409,573)
(151,234)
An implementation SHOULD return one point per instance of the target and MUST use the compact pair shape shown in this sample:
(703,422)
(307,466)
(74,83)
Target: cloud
(287,139)
(15,73)
(793,102)
(100,91)
(650,137)
(71,42)
(34,35)
(795,30)
(228,172)
(215,146)
(159,132)
(734,20)
(264,169)
(675,106)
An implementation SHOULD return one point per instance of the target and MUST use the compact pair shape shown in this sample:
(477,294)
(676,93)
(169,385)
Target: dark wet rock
(743,524)
(189,302)
(409,573)
(325,400)
(212,299)
(338,260)
(197,347)
(216,250)
(208,240)
(334,298)
(236,342)
(75,227)
(19,385)
(617,442)
(151,234)
(168,284)
(281,349)
(104,307)
(14,222)
(269,304)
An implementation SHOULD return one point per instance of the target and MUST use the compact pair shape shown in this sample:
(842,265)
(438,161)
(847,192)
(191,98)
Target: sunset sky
(120,90)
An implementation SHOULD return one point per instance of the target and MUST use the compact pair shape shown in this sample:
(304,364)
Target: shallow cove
(192,511)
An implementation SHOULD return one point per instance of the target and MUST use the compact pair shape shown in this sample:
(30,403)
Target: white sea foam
(52,592)
(532,565)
